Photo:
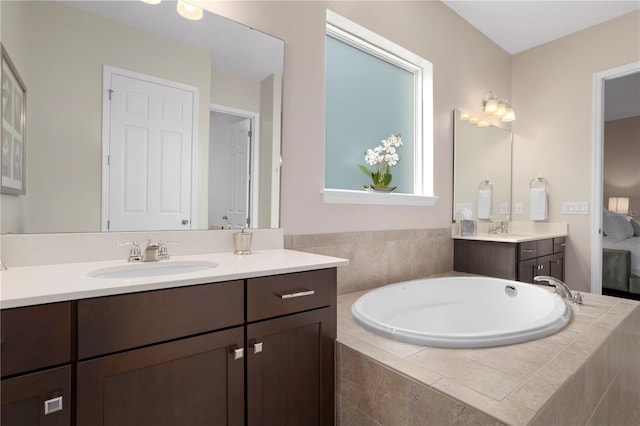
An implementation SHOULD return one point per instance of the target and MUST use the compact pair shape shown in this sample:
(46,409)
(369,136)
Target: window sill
(347,196)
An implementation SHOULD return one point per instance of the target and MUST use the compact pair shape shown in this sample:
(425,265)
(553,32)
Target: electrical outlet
(519,208)
(504,208)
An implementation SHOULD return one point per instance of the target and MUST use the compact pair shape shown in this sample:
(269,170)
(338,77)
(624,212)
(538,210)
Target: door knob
(185,221)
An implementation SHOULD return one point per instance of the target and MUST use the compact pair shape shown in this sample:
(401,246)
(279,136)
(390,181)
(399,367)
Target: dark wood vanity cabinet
(36,365)
(162,358)
(514,261)
(256,351)
(290,361)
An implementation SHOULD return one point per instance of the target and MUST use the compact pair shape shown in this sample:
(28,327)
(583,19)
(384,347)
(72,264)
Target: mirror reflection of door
(230,153)
(149,144)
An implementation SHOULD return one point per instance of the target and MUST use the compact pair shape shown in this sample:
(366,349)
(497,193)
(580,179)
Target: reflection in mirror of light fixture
(499,107)
(464,116)
(474,120)
(189,11)
(151,1)
(483,123)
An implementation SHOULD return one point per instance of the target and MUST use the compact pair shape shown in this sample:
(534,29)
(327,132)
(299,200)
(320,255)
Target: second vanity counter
(33,285)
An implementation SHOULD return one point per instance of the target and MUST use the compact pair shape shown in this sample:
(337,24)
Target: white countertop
(33,285)
(519,232)
(510,237)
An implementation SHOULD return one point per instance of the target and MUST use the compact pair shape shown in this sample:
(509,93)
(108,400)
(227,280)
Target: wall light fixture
(499,107)
(185,9)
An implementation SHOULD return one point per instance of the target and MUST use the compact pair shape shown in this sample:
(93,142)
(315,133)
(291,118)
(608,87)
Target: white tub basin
(152,269)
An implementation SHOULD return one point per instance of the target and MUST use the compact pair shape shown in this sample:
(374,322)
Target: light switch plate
(575,207)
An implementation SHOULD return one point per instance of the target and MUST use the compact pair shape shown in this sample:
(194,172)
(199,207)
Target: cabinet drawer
(35,337)
(285,294)
(532,249)
(42,398)
(115,323)
(559,244)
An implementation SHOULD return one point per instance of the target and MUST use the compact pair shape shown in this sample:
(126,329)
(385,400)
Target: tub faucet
(561,288)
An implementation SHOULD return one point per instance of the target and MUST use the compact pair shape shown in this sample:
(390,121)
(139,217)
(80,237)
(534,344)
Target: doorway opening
(233,168)
(599,81)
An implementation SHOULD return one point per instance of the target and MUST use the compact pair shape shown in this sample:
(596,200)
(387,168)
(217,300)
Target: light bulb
(501,110)
(189,11)
(509,115)
(491,106)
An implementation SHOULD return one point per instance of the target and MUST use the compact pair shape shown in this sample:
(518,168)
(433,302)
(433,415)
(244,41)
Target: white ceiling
(520,25)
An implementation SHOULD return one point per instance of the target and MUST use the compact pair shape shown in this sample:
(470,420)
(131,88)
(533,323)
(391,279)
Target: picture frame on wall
(14,128)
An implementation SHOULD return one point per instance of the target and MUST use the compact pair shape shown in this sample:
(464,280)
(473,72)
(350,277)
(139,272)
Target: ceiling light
(189,11)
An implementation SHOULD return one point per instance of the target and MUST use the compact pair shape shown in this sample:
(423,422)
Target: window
(375,88)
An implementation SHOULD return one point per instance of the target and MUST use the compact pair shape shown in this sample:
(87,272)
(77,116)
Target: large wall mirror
(192,143)
(481,170)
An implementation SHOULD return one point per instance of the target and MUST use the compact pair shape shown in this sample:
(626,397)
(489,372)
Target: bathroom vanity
(509,256)
(201,350)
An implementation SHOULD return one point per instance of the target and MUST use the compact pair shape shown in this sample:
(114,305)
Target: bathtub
(461,312)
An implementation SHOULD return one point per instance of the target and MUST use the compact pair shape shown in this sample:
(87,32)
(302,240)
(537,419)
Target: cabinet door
(290,370)
(190,382)
(557,266)
(37,399)
(527,270)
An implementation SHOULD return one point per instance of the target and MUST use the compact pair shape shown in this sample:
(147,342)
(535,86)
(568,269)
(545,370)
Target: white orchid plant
(381,159)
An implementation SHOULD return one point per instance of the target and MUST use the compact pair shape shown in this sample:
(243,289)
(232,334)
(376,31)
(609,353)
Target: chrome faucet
(499,227)
(151,252)
(561,288)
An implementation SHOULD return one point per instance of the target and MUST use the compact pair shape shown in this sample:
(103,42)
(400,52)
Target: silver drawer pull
(238,353)
(528,251)
(297,294)
(53,405)
(257,347)
(563,245)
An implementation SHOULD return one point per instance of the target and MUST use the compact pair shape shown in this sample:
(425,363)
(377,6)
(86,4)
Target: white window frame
(371,43)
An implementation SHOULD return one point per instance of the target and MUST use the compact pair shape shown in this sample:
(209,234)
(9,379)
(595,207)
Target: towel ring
(539,182)
(486,184)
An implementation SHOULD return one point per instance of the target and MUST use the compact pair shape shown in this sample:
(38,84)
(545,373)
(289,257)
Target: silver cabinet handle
(257,347)
(297,294)
(53,405)
(185,221)
(528,251)
(238,353)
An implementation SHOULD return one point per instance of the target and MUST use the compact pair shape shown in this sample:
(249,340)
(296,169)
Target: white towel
(484,204)
(538,205)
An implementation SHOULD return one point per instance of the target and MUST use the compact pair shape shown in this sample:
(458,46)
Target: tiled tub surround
(377,258)
(586,374)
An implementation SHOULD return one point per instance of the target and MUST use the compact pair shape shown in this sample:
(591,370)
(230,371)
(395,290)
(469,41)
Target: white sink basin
(152,269)
(509,235)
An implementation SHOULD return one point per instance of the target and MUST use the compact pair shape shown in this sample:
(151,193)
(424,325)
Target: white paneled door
(149,157)
(237,205)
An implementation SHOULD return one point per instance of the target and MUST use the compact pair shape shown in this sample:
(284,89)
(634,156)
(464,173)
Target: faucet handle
(163,251)
(134,252)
